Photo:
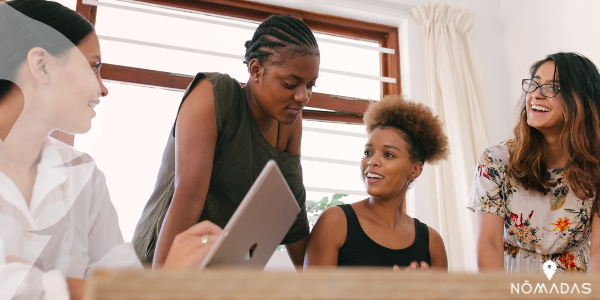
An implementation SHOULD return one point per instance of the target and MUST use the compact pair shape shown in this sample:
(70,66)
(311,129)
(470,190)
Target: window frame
(343,109)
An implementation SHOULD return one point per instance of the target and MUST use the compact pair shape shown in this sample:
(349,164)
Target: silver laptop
(258,225)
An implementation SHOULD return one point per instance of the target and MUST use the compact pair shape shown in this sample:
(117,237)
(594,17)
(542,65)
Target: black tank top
(360,250)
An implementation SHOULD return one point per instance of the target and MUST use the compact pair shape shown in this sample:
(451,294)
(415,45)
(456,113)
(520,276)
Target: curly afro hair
(422,129)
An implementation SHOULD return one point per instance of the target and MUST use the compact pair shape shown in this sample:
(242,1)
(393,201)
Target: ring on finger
(205,239)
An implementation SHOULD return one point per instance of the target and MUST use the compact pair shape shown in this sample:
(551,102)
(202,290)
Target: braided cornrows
(280,31)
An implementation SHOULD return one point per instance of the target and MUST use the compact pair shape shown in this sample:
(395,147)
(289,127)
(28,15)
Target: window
(371,62)
(153,48)
(331,154)
(138,119)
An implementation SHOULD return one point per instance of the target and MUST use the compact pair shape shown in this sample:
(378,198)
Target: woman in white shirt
(57,223)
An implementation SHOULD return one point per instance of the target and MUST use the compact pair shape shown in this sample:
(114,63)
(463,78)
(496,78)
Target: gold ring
(205,239)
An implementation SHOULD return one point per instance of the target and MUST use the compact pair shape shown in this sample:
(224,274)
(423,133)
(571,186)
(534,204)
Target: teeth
(371,175)
(537,107)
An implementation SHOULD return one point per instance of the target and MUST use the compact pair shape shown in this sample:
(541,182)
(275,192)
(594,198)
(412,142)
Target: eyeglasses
(548,90)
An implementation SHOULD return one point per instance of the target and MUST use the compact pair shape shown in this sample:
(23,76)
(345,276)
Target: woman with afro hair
(403,135)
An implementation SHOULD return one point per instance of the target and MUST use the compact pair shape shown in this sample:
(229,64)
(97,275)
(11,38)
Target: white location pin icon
(549,269)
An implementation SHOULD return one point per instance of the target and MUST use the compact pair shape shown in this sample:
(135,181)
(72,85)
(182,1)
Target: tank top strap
(421,235)
(353,225)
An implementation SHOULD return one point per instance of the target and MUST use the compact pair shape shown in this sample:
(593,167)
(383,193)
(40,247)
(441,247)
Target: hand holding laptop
(191,246)
(251,235)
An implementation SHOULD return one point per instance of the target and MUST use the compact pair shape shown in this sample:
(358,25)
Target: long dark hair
(18,33)
(579,81)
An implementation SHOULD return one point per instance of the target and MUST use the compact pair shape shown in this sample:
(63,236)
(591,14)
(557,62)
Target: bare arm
(326,239)
(296,251)
(437,250)
(594,266)
(490,243)
(196,138)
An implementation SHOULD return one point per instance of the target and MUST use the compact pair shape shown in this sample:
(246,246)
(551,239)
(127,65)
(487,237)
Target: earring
(256,80)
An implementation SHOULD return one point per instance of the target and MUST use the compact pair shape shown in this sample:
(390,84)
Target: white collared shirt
(70,228)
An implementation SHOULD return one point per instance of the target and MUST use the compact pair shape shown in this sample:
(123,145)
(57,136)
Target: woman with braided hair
(224,135)
(403,135)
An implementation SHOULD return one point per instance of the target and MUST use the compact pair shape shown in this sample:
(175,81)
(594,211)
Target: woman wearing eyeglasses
(535,196)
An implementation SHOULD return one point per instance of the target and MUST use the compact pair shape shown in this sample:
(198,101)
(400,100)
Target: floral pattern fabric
(537,227)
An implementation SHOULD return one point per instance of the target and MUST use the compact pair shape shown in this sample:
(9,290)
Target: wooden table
(354,283)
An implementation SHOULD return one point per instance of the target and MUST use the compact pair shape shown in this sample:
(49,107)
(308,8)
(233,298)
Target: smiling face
(76,86)
(284,89)
(386,167)
(543,113)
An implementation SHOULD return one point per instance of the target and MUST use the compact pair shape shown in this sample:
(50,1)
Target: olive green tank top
(241,153)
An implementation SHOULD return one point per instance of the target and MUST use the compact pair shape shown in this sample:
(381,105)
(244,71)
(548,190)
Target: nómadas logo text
(549,268)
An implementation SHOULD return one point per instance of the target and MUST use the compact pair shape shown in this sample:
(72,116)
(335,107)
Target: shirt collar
(59,165)
(51,173)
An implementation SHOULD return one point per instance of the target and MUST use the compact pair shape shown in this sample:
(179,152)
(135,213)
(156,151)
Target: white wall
(535,28)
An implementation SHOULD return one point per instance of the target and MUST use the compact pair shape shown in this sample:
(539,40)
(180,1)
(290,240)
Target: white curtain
(455,93)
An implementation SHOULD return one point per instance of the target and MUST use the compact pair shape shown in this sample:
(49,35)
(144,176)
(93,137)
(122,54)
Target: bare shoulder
(434,236)
(330,226)
(326,238)
(333,215)
(197,109)
(202,89)
(437,250)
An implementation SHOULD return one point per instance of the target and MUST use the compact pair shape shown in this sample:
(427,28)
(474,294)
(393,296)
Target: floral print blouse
(537,227)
